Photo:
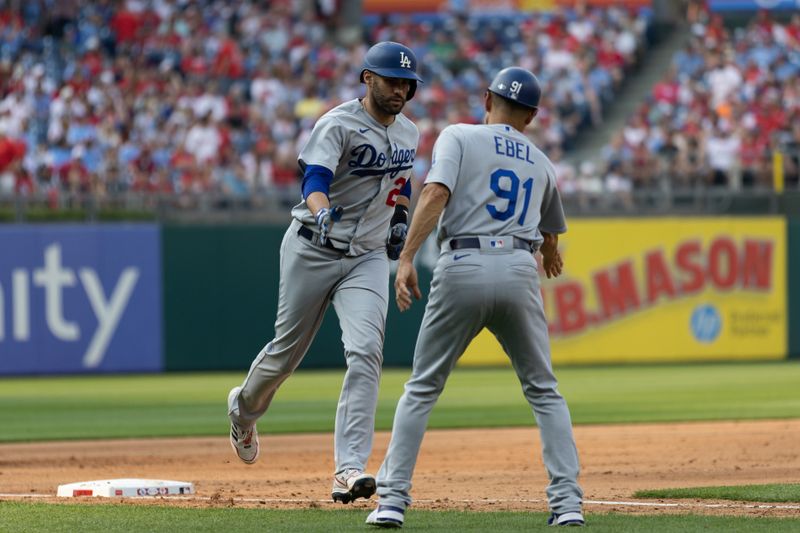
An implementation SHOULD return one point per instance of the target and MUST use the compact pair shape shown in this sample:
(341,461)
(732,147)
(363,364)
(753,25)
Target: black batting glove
(397,232)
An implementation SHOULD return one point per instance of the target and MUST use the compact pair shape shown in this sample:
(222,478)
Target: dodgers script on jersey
(370,164)
(495,173)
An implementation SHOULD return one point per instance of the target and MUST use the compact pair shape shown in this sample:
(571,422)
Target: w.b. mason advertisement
(676,289)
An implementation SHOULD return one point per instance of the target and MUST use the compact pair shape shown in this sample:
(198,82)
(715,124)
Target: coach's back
(500,183)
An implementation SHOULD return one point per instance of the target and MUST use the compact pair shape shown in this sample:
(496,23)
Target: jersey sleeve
(553,219)
(325,144)
(446,159)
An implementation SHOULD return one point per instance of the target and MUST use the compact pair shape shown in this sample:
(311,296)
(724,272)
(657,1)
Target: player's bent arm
(316,184)
(404,198)
(431,203)
(398,228)
(401,207)
(317,200)
(402,204)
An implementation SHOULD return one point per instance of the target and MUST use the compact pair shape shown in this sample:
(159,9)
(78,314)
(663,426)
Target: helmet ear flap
(412,85)
(412,89)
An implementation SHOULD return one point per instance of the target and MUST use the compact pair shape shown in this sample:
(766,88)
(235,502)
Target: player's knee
(365,367)
(425,390)
(369,354)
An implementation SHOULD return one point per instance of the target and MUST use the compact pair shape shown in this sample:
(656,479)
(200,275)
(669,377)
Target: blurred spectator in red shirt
(12,151)
(228,62)
(666,90)
(126,24)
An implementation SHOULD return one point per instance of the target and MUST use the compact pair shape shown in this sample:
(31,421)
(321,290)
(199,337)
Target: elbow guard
(316,178)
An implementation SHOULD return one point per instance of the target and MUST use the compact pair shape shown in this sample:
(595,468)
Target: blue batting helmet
(392,60)
(518,85)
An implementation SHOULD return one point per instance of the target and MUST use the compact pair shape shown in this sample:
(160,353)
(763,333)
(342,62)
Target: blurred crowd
(729,101)
(217,96)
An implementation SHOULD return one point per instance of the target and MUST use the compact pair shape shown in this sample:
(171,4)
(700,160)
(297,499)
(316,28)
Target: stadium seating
(214,99)
(730,100)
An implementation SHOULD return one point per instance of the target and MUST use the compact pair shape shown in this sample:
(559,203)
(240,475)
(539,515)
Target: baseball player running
(356,188)
(494,196)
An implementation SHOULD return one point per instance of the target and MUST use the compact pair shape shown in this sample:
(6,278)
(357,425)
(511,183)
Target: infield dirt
(487,469)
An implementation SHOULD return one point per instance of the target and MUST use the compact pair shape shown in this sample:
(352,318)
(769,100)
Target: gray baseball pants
(310,278)
(498,290)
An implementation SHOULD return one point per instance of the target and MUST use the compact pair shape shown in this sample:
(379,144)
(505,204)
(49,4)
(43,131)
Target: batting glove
(325,218)
(396,240)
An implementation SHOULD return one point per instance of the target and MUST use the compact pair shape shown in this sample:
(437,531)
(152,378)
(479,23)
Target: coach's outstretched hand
(325,218)
(405,283)
(553,264)
(551,259)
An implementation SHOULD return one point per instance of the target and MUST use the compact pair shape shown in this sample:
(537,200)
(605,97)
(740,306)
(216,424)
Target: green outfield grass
(23,517)
(773,492)
(195,404)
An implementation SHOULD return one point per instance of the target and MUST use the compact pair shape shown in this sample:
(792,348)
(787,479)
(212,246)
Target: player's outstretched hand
(405,283)
(396,240)
(325,218)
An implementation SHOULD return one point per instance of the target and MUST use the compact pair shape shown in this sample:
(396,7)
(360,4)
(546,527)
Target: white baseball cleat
(386,516)
(243,440)
(566,519)
(351,484)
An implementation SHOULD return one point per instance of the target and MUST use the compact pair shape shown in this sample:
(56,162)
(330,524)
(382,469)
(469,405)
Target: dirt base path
(458,469)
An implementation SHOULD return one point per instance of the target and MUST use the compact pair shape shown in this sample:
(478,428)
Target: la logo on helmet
(404,60)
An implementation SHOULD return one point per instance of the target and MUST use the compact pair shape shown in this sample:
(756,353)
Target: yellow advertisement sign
(676,289)
(537,5)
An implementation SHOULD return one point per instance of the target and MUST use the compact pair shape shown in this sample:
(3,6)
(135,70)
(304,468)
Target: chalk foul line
(732,505)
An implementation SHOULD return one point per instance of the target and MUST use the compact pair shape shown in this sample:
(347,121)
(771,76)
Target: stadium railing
(273,207)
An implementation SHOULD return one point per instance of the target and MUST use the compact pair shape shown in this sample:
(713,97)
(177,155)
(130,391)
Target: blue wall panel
(80,298)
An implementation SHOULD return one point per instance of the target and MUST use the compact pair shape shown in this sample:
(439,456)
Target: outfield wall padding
(87,298)
(704,289)
(80,298)
(220,301)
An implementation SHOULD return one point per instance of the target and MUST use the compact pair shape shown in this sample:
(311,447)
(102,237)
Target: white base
(126,488)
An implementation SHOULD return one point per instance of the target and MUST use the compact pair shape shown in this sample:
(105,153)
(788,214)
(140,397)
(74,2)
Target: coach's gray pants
(500,291)
(310,278)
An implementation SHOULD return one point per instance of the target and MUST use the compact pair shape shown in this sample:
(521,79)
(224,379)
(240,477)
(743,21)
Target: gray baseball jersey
(502,188)
(370,164)
(497,178)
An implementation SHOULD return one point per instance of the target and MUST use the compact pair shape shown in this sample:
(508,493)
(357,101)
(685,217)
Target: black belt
(307,234)
(475,242)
